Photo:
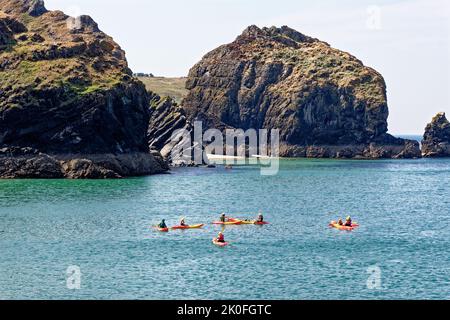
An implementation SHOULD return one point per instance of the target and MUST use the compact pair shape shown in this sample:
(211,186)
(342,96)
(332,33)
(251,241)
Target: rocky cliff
(325,102)
(68,99)
(167,127)
(436,140)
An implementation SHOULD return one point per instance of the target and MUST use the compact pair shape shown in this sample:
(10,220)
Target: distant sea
(410,137)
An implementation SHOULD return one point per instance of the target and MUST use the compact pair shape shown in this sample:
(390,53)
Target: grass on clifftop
(166,87)
(58,72)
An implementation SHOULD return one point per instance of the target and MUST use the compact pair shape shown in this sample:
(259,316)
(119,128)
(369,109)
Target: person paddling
(348,222)
(260,218)
(223,217)
(183,222)
(340,222)
(162,225)
(220,238)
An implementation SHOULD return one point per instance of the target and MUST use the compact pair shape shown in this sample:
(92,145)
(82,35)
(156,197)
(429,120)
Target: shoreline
(28,163)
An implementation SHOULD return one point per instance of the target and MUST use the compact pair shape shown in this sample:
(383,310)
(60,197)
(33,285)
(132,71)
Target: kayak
(219,244)
(195,226)
(162,229)
(249,222)
(229,223)
(334,224)
(261,223)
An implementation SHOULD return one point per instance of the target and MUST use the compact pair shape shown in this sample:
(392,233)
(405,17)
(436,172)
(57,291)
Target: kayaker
(348,222)
(183,222)
(223,217)
(220,237)
(260,218)
(340,222)
(163,225)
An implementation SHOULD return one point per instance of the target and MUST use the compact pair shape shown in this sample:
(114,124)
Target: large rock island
(69,106)
(325,102)
(436,140)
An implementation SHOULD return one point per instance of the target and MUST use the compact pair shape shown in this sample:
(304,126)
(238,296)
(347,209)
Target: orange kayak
(196,226)
(162,229)
(334,224)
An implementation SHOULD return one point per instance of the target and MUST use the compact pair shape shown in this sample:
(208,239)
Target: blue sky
(407,41)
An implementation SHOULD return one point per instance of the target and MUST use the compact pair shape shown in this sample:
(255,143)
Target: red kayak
(162,229)
(219,244)
(261,223)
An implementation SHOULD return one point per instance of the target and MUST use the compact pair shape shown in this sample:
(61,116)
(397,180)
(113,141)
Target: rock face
(325,102)
(66,89)
(166,117)
(436,141)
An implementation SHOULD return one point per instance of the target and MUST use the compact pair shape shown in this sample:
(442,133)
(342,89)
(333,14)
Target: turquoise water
(104,228)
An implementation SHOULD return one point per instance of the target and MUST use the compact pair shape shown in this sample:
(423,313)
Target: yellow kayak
(248,222)
(195,226)
(229,223)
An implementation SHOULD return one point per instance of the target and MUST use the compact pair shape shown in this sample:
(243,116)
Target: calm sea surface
(401,250)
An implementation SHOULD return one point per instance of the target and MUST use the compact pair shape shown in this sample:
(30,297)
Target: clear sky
(408,41)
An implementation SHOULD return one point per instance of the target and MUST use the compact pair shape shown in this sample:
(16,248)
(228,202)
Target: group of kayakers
(347,225)
(223,218)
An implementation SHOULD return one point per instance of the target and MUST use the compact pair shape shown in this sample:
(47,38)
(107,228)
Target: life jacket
(221,238)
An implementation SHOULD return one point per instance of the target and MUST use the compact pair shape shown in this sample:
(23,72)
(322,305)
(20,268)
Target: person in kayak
(183,222)
(348,222)
(223,217)
(162,225)
(260,218)
(340,222)
(220,238)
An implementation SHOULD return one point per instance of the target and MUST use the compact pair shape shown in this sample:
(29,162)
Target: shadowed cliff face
(280,78)
(65,86)
(436,140)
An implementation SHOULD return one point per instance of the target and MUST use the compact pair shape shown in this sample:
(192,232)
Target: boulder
(324,101)
(436,140)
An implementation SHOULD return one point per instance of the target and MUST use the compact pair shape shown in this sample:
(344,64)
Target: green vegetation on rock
(166,87)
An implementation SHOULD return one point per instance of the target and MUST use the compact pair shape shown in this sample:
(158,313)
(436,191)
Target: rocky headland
(325,102)
(436,140)
(71,108)
(69,105)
